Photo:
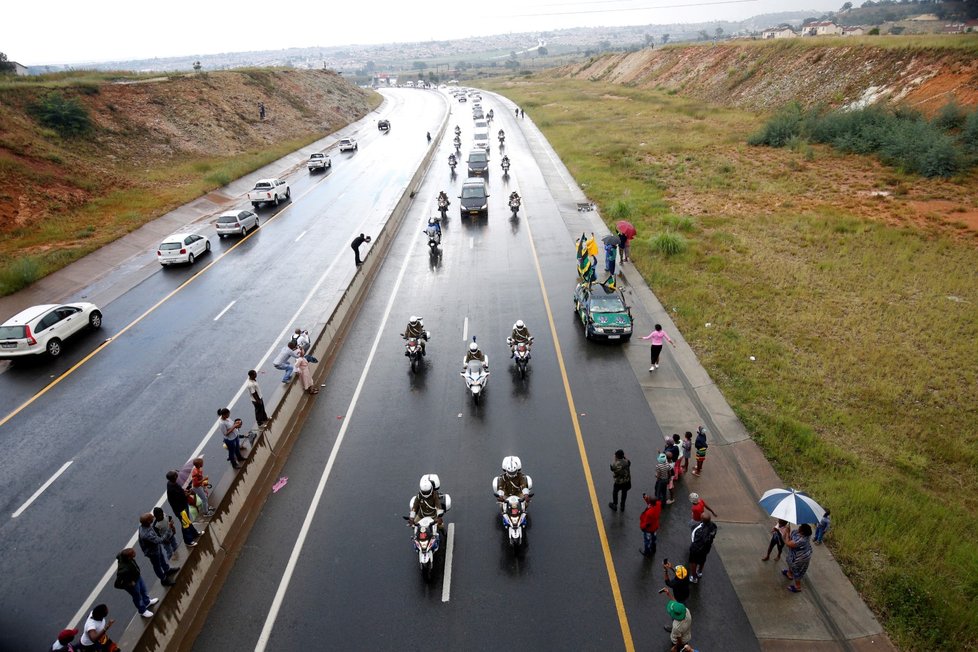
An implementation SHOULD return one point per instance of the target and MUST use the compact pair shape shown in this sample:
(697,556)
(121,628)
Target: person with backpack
(701,542)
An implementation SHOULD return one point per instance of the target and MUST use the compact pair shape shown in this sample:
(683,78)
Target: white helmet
(511,464)
(432,220)
(520,324)
(473,347)
(425,486)
(413,319)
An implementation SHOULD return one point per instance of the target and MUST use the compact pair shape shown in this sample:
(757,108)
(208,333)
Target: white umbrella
(793,506)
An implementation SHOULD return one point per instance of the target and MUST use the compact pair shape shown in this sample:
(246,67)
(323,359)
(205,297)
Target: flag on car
(585,269)
(582,247)
(609,284)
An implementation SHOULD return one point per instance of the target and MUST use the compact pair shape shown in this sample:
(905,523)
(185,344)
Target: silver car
(236,223)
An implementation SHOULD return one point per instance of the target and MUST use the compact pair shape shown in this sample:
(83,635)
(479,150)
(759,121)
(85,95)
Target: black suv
(384,125)
(478,163)
(474,199)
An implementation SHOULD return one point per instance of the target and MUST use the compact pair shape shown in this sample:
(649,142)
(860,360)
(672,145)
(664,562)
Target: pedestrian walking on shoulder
(687,450)
(701,542)
(625,248)
(151,543)
(649,522)
(164,527)
(681,631)
(699,506)
(65,640)
(780,534)
(302,369)
(201,484)
(284,360)
(517,112)
(621,470)
(799,555)
(229,431)
(95,631)
(254,391)
(700,446)
(129,579)
(822,527)
(657,335)
(678,584)
(522,114)
(177,498)
(303,341)
(663,471)
(610,255)
(357,241)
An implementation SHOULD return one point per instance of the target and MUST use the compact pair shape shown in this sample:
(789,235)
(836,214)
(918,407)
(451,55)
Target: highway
(88,438)
(329,562)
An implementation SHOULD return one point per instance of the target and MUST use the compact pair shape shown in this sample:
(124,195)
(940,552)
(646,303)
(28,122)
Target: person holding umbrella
(625,232)
(794,507)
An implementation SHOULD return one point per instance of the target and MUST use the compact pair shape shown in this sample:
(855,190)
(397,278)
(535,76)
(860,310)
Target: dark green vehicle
(604,314)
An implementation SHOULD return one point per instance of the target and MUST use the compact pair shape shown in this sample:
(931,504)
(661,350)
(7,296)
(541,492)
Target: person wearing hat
(682,625)
(65,639)
(699,506)
(679,584)
(663,471)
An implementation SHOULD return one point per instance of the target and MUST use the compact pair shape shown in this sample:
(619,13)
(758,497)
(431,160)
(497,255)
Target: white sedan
(182,248)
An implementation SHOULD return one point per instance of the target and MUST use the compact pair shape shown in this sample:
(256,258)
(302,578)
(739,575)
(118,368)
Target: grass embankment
(862,316)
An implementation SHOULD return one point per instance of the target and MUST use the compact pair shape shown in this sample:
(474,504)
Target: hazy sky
(76,31)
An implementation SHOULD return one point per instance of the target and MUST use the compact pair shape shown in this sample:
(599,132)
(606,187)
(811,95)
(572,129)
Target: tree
(665,39)
(846,6)
(649,40)
(718,32)
(704,36)
(542,50)
(512,55)
(5,65)
(462,65)
(371,66)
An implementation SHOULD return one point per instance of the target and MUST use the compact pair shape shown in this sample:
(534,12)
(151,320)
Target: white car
(349,145)
(182,248)
(236,223)
(319,161)
(42,329)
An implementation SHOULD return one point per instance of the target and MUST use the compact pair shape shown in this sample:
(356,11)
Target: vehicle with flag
(603,311)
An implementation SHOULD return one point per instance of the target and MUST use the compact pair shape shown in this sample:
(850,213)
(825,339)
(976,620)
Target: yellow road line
(626,631)
(141,317)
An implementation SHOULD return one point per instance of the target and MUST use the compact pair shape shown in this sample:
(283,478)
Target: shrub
(950,117)
(65,115)
(621,210)
(669,244)
(780,129)
(18,274)
(969,133)
(682,223)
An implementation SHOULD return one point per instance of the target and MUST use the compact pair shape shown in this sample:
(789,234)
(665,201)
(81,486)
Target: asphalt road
(376,428)
(181,343)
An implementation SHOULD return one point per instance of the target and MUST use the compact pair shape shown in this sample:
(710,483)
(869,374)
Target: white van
(482,139)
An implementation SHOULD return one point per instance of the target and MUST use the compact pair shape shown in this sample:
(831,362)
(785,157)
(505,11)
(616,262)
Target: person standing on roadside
(621,470)
(822,527)
(254,392)
(302,369)
(701,542)
(799,556)
(671,485)
(229,431)
(129,579)
(65,640)
(682,625)
(679,583)
(303,341)
(700,446)
(699,505)
(200,483)
(687,448)
(355,245)
(610,256)
(649,522)
(177,498)
(780,534)
(164,527)
(151,543)
(657,335)
(95,632)
(663,471)
(283,361)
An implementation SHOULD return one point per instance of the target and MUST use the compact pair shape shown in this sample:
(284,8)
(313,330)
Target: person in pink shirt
(657,336)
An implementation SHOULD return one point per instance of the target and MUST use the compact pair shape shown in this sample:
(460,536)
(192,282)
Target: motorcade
(474,199)
(478,163)
(43,329)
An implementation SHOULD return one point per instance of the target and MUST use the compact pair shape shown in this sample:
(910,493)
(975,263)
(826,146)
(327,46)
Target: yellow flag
(592,246)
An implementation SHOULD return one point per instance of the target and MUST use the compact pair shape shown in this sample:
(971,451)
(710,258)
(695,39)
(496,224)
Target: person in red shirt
(699,506)
(649,522)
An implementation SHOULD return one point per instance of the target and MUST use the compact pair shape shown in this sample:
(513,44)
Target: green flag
(582,247)
(609,284)
(585,269)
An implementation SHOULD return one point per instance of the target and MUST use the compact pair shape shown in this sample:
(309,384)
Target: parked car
(474,199)
(182,248)
(42,329)
(384,125)
(236,223)
(349,145)
(319,161)
(269,191)
(478,163)
(603,314)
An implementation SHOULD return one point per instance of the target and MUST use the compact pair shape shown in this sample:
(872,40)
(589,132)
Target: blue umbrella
(793,506)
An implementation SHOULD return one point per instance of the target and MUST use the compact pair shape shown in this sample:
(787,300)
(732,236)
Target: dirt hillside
(765,75)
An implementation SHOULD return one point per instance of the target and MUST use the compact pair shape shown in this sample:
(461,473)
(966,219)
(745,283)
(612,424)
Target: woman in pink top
(657,336)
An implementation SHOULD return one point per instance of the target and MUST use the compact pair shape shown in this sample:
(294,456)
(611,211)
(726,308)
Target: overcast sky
(77,31)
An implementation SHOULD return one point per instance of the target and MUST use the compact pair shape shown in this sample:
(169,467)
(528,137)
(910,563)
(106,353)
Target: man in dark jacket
(152,544)
(128,578)
(355,245)
(177,498)
(620,469)
(701,542)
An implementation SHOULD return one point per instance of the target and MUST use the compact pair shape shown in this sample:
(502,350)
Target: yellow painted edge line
(23,406)
(609,562)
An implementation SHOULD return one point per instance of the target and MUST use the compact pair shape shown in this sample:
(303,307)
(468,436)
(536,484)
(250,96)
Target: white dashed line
(446,589)
(465,330)
(20,510)
(299,237)
(226,308)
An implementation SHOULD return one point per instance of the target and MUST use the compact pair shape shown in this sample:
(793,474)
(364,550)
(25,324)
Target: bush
(780,129)
(67,116)
(969,133)
(669,244)
(621,210)
(950,117)
(680,223)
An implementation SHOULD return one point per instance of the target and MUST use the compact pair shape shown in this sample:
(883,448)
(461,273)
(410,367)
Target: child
(823,527)
(687,450)
(779,534)
(700,445)
(167,530)
(200,485)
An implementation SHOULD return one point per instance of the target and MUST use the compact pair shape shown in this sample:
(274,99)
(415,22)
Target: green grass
(864,333)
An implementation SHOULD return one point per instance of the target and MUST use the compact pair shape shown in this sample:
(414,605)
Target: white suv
(348,145)
(42,329)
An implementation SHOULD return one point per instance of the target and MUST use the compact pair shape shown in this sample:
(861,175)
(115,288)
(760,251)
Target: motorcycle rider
(458,130)
(433,230)
(474,353)
(415,329)
(443,199)
(520,335)
(505,162)
(452,161)
(502,134)
(427,503)
(512,482)
(514,197)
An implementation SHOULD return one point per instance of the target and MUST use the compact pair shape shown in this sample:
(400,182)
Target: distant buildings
(781,31)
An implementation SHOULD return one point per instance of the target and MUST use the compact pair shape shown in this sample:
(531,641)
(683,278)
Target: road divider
(240,496)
